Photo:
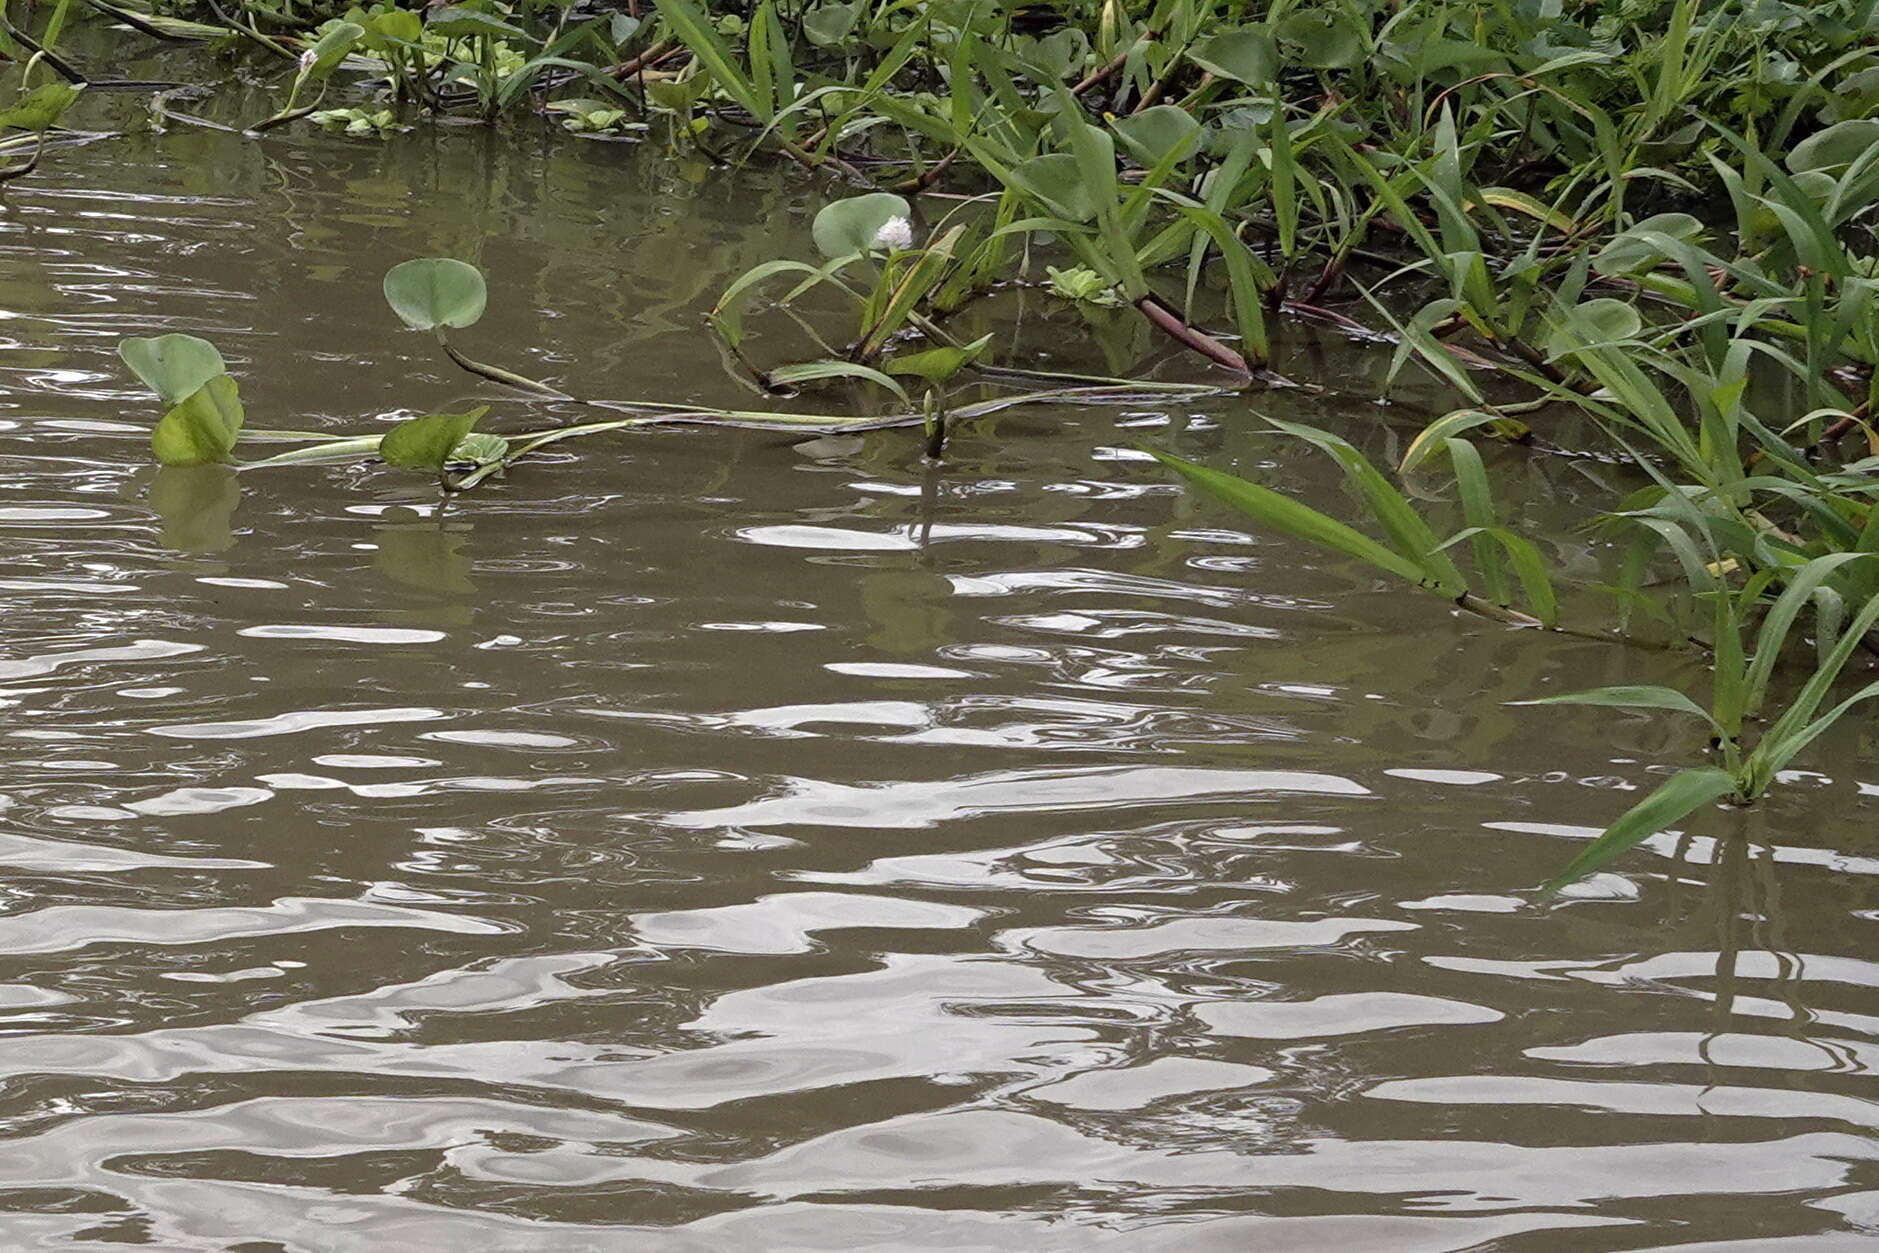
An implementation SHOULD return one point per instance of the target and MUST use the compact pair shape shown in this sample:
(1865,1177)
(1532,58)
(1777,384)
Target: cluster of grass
(1653,215)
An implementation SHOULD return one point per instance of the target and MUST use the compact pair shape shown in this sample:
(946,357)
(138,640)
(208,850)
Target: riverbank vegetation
(1639,230)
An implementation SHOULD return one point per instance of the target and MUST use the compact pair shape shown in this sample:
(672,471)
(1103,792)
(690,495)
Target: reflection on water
(711,842)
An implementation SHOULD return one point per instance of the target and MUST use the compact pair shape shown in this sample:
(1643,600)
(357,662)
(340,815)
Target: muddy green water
(719,841)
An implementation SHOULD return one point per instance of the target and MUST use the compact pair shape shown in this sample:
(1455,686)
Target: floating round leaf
(1637,247)
(847,227)
(202,429)
(436,292)
(172,366)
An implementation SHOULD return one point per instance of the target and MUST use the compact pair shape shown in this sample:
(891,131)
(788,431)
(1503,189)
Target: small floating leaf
(479,448)
(173,366)
(435,292)
(426,443)
(39,108)
(202,429)
(847,227)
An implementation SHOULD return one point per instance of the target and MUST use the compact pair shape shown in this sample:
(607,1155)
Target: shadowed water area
(712,840)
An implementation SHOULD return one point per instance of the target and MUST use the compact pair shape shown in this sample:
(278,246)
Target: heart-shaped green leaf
(829,24)
(1323,40)
(172,366)
(436,291)
(1151,134)
(1056,181)
(202,429)
(847,227)
(426,443)
(1630,251)
(1247,55)
(39,108)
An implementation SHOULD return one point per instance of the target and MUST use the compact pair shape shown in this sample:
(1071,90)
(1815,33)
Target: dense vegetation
(1651,216)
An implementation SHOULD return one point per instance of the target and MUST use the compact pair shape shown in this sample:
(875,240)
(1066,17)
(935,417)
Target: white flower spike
(896,232)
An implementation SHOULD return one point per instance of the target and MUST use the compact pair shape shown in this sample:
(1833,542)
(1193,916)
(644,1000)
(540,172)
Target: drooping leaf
(172,366)
(1641,696)
(426,443)
(845,227)
(1674,799)
(1281,513)
(436,291)
(202,429)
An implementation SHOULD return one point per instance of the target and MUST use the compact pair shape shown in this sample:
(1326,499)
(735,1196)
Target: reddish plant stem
(1173,325)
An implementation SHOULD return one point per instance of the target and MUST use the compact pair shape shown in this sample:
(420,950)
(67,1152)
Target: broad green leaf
(460,22)
(1281,513)
(426,443)
(173,366)
(1642,696)
(1154,133)
(1636,249)
(845,227)
(1595,322)
(1836,147)
(936,365)
(1325,39)
(39,108)
(829,24)
(1675,799)
(435,292)
(1055,180)
(1247,55)
(202,429)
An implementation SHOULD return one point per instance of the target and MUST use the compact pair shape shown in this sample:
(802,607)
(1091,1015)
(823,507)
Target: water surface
(722,841)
